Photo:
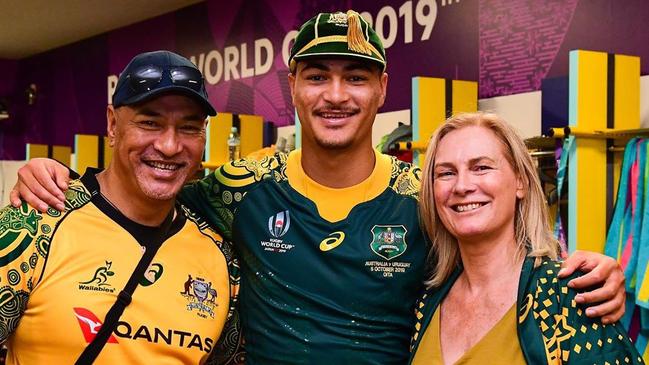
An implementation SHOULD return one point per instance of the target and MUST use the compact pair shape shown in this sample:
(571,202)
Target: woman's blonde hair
(531,222)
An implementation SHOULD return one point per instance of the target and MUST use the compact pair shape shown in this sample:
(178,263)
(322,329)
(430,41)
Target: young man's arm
(606,276)
(229,350)
(43,181)
(205,198)
(21,261)
(40,181)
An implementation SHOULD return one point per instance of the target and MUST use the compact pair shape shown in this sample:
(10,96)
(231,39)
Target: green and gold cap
(337,34)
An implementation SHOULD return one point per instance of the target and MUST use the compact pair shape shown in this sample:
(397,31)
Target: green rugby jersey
(315,291)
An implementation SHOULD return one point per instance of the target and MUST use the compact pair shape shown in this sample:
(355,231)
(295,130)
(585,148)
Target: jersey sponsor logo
(99,281)
(279,224)
(332,241)
(200,296)
(152,274)
(389,241)
(172,337)
(90,324)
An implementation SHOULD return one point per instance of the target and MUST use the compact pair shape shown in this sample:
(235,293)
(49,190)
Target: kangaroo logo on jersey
(99,281)
(90,324)
(389,241)
(279,224)
(152,274)
(332,241)
(200,296)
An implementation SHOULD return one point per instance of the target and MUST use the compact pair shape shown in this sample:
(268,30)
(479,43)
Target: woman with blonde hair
(494,295)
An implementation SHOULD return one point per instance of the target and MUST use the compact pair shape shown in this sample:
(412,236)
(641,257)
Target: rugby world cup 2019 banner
(241,46)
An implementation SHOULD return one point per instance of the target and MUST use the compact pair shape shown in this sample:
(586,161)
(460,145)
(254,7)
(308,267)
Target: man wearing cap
(123,244)
(332,256)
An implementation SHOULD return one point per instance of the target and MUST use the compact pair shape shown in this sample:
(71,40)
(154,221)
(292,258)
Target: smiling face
(158,145)
(475,188)
(337,101)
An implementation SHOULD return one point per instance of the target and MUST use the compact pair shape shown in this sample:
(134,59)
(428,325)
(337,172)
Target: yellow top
(499,346)
(67,270)
(335,204)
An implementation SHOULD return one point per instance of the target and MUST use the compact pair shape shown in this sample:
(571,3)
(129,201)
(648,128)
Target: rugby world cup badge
(279,224)
(389,241)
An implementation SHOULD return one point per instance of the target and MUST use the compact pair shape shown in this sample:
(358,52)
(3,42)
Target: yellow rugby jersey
(61,272)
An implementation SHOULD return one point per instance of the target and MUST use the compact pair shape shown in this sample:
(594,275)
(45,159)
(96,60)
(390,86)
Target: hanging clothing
(562,154)
(628,239)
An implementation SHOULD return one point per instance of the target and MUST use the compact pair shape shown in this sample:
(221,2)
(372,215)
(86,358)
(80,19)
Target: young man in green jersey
(332,255)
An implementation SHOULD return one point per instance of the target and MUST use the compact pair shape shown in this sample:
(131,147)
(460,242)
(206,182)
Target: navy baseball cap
(154,73)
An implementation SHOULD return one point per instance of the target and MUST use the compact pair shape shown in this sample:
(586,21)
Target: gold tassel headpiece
(355,38)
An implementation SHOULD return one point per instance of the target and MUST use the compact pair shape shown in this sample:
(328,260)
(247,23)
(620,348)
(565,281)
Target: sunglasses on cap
(147,78)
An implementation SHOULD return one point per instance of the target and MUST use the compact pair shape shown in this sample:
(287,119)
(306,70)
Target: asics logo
(332,241)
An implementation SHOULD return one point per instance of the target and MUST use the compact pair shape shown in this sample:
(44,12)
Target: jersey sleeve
(585,340)
(217,196)
(205,198)
(594,342)
(405,178)
(229,348)
(25,236)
